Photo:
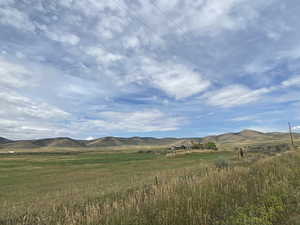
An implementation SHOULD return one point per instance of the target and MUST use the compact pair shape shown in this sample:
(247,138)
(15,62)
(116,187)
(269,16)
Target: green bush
(209,145)
(269,213)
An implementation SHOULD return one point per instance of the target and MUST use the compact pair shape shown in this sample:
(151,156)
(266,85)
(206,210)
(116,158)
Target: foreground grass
(265,193)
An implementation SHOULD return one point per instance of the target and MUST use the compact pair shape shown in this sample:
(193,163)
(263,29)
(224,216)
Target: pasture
(138,188)
(42,179)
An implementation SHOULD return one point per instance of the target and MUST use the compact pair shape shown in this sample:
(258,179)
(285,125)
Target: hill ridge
(111,141)
(4,140)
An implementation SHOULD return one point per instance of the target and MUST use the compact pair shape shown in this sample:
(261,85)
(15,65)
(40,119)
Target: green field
(39,178)
(132,188)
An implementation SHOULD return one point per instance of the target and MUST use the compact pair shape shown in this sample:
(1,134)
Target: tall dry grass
(266,193)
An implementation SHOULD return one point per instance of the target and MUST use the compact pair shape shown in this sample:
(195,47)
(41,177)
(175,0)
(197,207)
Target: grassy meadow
(127,187)
(31,179)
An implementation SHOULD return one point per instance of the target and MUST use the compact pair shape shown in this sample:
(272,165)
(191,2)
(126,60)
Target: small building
(178,147)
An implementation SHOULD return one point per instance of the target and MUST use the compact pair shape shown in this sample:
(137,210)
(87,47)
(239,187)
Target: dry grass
(50,149)
(41,180)
(265,193)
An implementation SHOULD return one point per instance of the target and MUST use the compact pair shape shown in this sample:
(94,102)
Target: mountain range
(244,136)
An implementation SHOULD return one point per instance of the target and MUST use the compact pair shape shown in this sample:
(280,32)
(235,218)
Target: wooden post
(242,152)
(156,180)
(291,134)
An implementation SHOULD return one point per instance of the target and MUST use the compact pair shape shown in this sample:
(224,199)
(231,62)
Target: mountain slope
(59,142)
(248,136)
(114,141)
(4,140)
(243,137)
(50,142)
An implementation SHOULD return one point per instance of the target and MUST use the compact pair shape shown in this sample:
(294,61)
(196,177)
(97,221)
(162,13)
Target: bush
(209,145)
(268,213)
(222,163)
(198,146)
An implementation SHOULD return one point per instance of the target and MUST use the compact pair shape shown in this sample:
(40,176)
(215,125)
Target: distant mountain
(247,136)
(59,142)
(243,137)
(236,137)
(50,142)
(4,140)
(114,141)
(100,142)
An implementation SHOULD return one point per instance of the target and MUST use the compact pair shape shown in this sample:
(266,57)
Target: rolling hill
(100,142)
(249,136)
(243,137)
(50,142)
(4,140)
(114,141)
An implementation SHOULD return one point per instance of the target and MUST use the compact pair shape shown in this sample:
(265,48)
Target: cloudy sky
(93,68)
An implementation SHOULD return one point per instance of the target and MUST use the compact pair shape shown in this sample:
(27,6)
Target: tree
(211,145)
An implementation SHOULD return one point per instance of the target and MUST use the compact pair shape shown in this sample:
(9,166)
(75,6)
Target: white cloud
(180,82)
(235,95)
(257,67)
(66,38)
(266,129)
(107,122)
(22,117)
(110,25)
(202,17)
(293,53)
(131,42)
(214,14)
(244,118)
(176,80)
(102,56)
(94,7)
(13,17)
(14,75)
(294,81)
(79,90)
(137,121)
(296,128)
(20,55)
(31,129)
(273,116)
(66,3)
(82,90)
(90,138)
(14,105)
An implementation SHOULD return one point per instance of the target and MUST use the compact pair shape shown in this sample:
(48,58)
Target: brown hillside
(243,137)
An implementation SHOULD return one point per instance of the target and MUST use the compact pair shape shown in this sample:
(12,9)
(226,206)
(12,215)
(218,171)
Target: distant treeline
(203,146)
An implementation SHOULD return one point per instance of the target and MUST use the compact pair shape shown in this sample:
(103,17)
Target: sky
(163,68)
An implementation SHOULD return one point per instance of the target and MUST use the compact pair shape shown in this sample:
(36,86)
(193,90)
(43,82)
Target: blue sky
(181,68)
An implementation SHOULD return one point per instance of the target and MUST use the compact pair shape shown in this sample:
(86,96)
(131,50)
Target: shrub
(209,145)
(222,163)
(268,213)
